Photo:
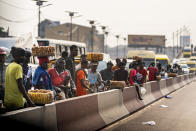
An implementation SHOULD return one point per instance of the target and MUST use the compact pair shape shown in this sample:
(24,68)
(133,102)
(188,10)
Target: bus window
(43,43)
(79,53)
(62,48)
(80,50)
(59,49)
(66,49)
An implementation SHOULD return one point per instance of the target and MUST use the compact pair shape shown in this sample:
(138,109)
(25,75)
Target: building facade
(79,34)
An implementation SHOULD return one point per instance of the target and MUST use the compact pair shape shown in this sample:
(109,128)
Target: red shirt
(57,79)
(131,76)
(152,73)
(144,73)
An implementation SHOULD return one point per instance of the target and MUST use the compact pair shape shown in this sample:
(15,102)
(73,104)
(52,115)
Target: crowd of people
(65,78)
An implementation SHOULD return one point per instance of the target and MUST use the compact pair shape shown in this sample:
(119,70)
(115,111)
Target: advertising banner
(146,40)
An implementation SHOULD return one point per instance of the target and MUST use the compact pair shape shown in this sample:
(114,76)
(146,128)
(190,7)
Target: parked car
(185,68)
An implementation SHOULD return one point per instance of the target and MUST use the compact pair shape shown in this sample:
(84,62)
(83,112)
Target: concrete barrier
(95,111)
(169,84)
(156,89)
(79,114)
(148,97)
(111,106)
(43,117)
(163,87)
(179,81)
(130,99)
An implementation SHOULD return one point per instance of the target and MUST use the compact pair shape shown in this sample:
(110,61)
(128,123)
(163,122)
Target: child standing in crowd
(2,73)
(41,78)
(14,89)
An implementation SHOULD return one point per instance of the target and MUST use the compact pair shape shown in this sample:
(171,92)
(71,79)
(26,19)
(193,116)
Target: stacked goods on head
(94,56)
(41,96)
(117,84)
(41,51)
(137,58)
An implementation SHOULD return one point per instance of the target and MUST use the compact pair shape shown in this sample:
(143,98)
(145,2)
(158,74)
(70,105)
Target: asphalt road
(179,116)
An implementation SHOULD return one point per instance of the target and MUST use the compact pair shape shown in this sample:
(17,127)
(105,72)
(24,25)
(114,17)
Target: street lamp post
(173,45)
(92,22)
(117,37)
(103,28)
(106,48)
(71,14)
(125,39)
(39,3)
(177,34)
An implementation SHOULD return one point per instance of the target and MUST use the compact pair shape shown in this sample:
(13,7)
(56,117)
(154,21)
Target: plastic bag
(142,91)
(152,123)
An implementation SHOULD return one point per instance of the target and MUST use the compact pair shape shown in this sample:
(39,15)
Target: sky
(122,17)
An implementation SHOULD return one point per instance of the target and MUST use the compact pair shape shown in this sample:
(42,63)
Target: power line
(16,21)
(16,6)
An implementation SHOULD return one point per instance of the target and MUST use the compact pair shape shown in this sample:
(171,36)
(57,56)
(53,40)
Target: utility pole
(106,48)
(39,3)
(71,14)
(173,44)
(103,28)
(92,22)
(125,39)
(117,37)
(177,34)
(181,31)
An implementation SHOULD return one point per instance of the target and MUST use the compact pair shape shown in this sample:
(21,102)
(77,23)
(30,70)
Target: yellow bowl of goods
(43,51)
(41,97)
(94,56)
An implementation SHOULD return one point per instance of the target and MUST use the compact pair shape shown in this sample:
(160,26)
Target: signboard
(146,40)
(184,41)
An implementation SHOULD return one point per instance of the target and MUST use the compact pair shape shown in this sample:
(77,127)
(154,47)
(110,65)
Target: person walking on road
(14,89)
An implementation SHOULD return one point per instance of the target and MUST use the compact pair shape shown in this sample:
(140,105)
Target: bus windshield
(187,50)
(164,63)
(148,61)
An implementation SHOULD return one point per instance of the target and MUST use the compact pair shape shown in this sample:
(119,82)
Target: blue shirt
(41,77)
